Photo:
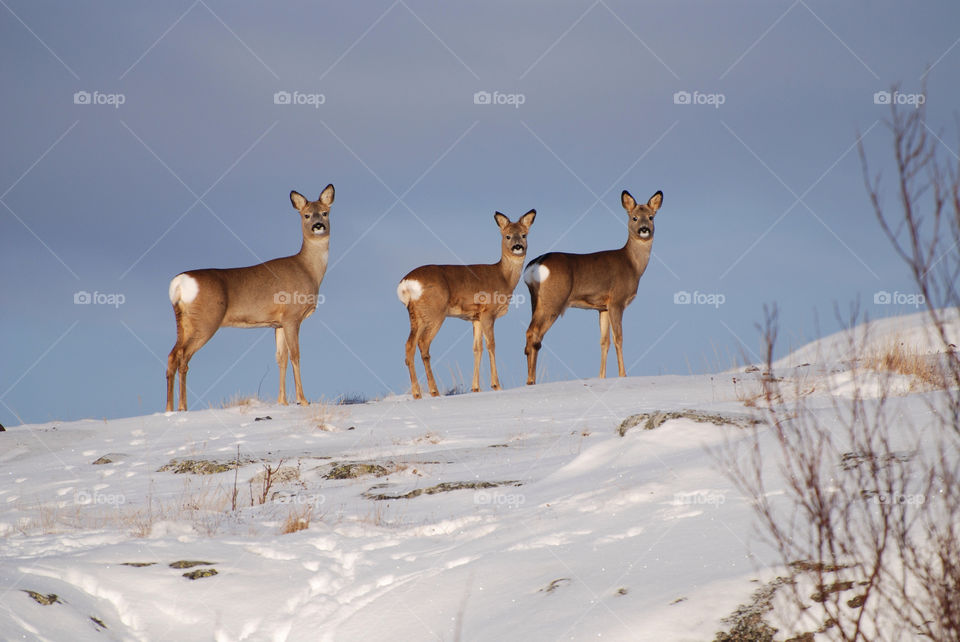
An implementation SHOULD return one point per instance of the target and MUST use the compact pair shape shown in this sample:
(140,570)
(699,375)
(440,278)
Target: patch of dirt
(201,572)
(655,419)
(137,564)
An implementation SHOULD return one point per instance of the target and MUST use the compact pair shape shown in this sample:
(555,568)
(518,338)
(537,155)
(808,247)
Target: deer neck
(313,257)
(638,253)
(510,266)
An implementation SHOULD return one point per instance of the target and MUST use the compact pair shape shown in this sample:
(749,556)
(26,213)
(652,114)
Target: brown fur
(603,281)
(276,294)
(477,293)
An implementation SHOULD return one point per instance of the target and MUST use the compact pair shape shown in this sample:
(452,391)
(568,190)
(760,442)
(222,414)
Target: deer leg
(291,334)
(604,341)
(411,352)
(487,326)
(539,325)
(282,365)
(616,325)
(173,364)
(426,338)
(477,354)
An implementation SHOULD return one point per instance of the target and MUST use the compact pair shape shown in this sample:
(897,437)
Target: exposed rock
(352,471)
(109,458)
(189,564)
(200,572)
(439,488)
(40,598)
(657,418)
(202,466)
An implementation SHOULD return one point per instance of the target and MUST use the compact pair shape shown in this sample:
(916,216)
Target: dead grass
(899,358)
(297,520)
(237,401)
(326,415)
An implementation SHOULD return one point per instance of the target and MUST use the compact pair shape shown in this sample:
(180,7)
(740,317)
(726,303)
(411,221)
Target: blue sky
(181,159)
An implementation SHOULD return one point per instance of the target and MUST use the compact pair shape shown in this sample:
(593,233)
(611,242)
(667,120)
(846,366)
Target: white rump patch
(536,274)
(409,290)
(184,288)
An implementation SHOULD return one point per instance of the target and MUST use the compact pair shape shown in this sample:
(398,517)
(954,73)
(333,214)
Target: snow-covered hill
(520,514)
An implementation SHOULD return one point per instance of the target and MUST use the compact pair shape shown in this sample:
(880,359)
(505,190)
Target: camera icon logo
(681,298)
(681,98)
(282,298)
(482,98)
(81,98)
(281,98)
(82,298)
(882,298)
(881,98)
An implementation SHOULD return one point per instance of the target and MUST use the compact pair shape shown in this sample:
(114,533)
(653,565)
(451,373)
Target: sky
(144,139)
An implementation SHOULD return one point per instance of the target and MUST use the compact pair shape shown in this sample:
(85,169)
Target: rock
(189,564)
(109,458)
(352,471)
(266,418)
(201,572)
(137,564)
(202,466)
(657,418)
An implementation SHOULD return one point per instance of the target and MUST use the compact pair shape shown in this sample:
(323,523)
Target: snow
(585,535)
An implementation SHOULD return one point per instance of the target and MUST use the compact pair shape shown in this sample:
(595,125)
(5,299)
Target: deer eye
(524,235)
(508,237)
(635,218)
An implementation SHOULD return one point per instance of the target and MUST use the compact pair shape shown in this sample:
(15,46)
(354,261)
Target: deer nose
(518,248)
(644,232)
(318,227)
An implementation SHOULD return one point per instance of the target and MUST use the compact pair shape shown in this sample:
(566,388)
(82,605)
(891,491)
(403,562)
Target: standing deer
(276,294)
(604,281)
(477,293)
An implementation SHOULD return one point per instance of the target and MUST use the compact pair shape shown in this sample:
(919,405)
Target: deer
(604,281)
(277,294)
(480,294)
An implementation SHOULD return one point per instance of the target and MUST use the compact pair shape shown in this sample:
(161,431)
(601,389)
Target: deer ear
(627,201)
(326,196)
(502,220)
(527,219)
(298,200)
(655,201)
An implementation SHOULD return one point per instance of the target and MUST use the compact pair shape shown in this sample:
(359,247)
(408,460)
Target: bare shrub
(869,517)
